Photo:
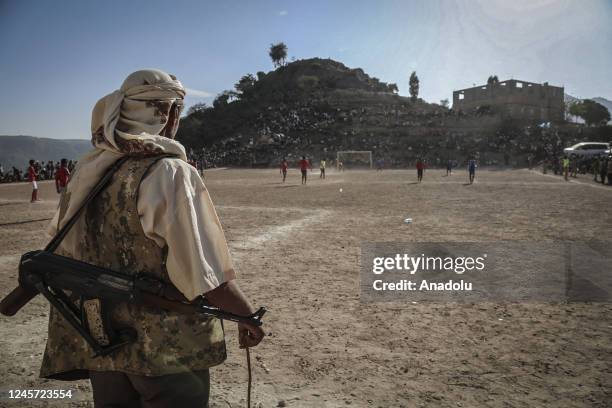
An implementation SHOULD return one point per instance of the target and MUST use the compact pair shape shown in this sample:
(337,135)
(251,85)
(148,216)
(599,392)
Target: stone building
(514,98)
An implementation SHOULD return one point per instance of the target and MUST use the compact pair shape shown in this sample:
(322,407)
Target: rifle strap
(248,357)
(61,234)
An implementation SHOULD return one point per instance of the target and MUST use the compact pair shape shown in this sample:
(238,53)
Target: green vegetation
(414,86)
(278,53)
(592,112)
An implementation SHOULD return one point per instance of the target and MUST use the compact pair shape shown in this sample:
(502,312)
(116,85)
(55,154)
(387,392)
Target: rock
(281,403)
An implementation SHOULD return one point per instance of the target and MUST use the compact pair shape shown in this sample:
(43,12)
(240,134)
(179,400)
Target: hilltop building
(514,98)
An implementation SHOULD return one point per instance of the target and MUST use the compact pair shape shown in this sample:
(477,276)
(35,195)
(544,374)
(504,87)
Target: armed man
(154,218)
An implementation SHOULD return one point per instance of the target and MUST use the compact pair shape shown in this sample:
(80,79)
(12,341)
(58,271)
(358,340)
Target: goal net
(354,158)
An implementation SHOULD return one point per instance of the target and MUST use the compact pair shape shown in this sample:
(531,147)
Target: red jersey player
(32,174)
(61,177)
(284,165)
(304,166)
(420,165)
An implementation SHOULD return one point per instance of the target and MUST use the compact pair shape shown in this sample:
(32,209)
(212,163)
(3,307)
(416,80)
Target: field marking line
(23,183)
(13,202)
(575,182)
(275,209)
(6,224)
(277,232)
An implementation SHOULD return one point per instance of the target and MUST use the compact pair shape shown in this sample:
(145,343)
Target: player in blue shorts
(472,169)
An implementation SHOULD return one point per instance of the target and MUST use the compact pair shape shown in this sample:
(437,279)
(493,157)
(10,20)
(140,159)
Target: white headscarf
(127,121)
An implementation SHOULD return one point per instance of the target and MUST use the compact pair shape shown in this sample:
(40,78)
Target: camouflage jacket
(111,236)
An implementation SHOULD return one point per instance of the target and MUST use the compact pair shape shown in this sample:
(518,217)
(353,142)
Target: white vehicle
(588,149)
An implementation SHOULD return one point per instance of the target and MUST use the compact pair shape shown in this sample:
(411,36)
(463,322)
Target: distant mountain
(570,99)
(18,150)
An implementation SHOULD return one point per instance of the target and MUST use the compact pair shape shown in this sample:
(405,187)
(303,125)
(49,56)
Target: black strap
(61,234)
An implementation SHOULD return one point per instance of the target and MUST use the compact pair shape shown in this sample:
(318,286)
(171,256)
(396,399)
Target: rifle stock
(17,299)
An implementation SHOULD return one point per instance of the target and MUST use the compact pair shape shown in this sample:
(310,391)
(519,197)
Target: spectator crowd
(599,167)
(44,170)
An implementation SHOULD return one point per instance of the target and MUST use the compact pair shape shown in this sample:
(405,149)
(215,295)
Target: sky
(57,58)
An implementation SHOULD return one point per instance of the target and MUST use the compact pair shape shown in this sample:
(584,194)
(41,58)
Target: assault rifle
(49,274)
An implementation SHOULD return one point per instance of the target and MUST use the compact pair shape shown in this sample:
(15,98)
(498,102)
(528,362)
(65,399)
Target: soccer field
(297,251)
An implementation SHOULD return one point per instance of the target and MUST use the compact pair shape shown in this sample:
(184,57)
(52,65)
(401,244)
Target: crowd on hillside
(399,149)
(397,132)
(44,170)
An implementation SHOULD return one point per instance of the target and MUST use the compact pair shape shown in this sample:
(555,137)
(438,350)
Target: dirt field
(297,252)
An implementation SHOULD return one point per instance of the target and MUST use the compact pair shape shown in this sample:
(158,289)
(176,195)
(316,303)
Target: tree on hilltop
(198,107)
(245,84)
(592,112)
(224,98)
(492,80)
(278,53)
(414,86)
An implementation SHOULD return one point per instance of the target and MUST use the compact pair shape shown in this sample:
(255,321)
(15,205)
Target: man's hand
(229,297)
(249,336)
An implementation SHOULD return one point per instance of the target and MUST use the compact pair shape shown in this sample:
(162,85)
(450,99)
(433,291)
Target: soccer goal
(354,158)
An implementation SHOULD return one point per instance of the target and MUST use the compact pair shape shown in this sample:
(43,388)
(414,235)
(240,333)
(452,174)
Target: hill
(316,104)
(18,150)
(316,107)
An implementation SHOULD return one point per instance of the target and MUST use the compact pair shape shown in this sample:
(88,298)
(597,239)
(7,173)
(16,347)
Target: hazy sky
(57,58)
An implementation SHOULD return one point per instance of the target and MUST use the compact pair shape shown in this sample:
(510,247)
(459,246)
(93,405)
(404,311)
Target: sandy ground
(297,251)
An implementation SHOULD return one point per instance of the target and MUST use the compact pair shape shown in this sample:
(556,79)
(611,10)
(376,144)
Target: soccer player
(420,166)
(304,166)
(449,167)
(61,177)
(32,174)
(283,168)
(472,170)
(322,168)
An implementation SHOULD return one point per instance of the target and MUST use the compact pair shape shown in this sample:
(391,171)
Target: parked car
(588,149)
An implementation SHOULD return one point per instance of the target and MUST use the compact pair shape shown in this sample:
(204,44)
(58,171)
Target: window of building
(519,84)
(461,96)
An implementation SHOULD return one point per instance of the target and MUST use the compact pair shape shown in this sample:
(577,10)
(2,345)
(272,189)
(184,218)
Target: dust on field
(297,252)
